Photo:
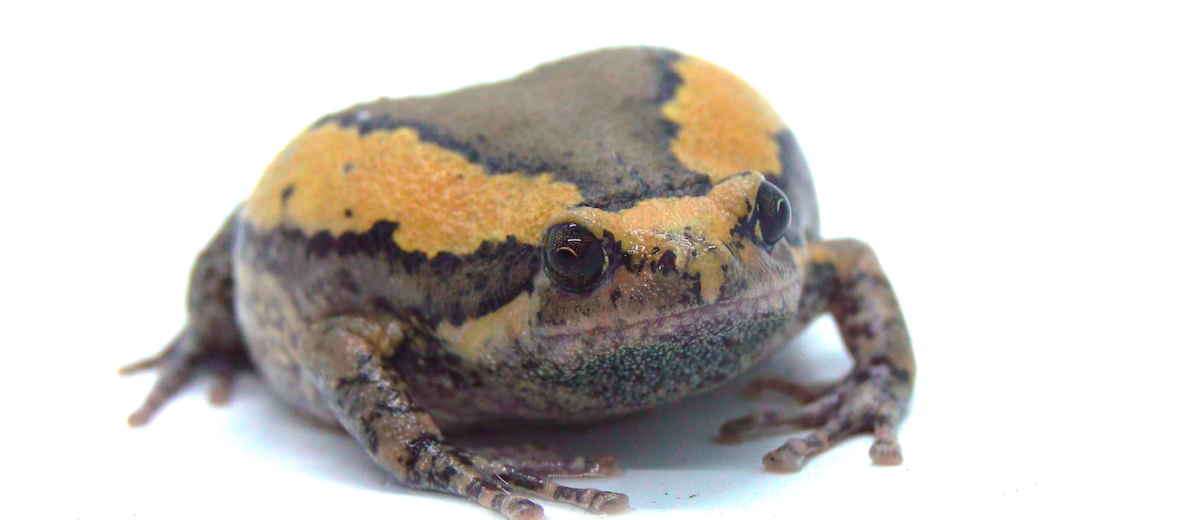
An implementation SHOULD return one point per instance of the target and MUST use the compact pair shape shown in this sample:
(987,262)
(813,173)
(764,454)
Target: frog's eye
(574,257)
(772,211)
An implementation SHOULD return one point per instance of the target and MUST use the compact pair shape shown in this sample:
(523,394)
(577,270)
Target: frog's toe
(886,451)
(223,384)
(800,392)
(790,456)
(153,360)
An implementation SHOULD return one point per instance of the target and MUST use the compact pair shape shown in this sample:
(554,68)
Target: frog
(589,240)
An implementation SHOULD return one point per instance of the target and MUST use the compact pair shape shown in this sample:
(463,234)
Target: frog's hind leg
(210,341)
(350,361)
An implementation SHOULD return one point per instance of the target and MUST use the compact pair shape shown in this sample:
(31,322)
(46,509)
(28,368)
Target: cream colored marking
(478,337)
(726,126)
(660,223)
(440,200)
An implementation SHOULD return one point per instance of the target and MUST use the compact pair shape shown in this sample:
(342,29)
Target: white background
(1014,166)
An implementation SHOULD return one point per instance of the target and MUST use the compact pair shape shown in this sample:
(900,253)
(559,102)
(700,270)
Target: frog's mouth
(685,327)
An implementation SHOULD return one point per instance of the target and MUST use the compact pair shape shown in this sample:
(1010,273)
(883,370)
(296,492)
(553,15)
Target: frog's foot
(871,398)
(497,485)
(544,461)
(177,363)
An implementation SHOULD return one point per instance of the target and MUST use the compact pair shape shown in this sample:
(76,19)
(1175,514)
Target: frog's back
(603,129)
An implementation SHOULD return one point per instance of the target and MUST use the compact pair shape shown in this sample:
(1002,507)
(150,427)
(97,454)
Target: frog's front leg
(845,278)
(344,357)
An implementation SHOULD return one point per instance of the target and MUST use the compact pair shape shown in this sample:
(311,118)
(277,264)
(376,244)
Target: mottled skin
(387,273)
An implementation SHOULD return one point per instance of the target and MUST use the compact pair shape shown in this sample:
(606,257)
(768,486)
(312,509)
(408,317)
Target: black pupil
(573,256)
(773,212)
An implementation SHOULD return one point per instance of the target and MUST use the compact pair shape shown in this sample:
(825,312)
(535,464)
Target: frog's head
(699,281)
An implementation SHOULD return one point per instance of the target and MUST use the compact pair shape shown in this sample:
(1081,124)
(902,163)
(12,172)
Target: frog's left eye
(772,211)
(574,257)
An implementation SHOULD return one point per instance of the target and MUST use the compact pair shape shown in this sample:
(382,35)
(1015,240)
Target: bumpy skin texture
(387,274)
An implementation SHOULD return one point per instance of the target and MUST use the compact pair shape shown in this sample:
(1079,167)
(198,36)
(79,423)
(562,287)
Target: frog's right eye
(574,257)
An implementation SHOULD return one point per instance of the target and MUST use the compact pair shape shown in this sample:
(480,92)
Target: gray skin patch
(593,120)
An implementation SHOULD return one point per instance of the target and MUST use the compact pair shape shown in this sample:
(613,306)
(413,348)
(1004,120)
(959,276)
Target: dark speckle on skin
(667,263)
(348,213)
(348,167)
(286,195)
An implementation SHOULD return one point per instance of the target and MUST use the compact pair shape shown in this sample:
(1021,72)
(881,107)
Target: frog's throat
(777,302)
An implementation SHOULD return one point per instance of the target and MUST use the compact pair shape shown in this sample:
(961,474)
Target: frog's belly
(593,388)
(272,326)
